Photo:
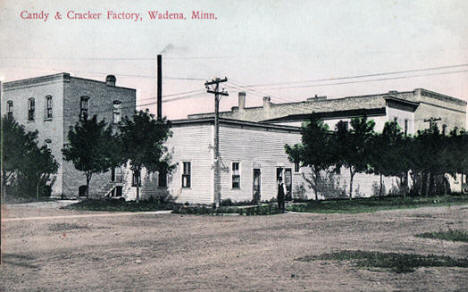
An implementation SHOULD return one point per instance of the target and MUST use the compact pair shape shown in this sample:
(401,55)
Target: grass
(119,206)
(451,235)
(396,262)
(366,205)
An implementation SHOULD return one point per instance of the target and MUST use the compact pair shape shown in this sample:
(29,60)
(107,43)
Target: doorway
(256,185)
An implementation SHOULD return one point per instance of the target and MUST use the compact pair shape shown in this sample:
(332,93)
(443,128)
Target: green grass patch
(452,235)
(119,206)
(396,262)
(365,205)
(258,210)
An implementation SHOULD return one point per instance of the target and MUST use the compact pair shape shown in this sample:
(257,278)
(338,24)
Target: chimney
(266,102)
(241,100)
(110,80)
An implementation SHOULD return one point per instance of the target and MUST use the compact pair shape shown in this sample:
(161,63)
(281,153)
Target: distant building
(409,109)
(53,103)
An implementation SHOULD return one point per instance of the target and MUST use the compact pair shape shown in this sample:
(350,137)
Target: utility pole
(213,88)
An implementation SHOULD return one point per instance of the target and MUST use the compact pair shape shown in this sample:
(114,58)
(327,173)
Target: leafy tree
(388,153)
(143,139)
(352,147)
(92,147)
(314,150)
(23,160)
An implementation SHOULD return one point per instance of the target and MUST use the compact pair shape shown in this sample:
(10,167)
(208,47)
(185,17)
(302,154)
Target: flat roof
(235,123)
(53,77)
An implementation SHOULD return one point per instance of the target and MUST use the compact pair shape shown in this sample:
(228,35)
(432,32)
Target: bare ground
(168,252)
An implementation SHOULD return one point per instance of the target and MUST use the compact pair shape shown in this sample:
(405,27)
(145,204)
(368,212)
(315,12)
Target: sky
(289,50)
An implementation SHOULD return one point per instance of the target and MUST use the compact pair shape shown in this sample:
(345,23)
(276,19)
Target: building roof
(64,76)
(234,123)
(271,110)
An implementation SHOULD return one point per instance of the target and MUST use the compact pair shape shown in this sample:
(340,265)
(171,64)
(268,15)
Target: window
(84,108)
(136,179)
(116,112)
(31,109)
(162,179)
(48,112)
(186,175)
(10,109)
(406,126)
(235,175)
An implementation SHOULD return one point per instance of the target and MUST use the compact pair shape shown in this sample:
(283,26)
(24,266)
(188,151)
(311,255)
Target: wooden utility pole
(213,87)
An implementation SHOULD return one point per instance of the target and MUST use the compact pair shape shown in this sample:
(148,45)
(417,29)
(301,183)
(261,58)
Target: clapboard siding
(253,148)
(192,144)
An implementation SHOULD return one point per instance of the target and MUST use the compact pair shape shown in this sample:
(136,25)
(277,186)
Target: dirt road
(168,252)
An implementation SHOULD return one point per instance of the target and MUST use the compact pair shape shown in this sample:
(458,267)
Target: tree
(92,148)
(314,150)
(388,154)
(352,147)
(142,139)
(23,160)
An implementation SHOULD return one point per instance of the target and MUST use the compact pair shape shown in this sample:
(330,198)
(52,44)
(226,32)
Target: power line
(359,76)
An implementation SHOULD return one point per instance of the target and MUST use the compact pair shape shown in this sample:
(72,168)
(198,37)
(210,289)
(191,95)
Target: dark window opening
(84,108)
(186,175)
(406,126)
(162,179)
(296,166)
(235,175)
(31,109)
(136,179)
(10,109)
(116,112)
(48,107)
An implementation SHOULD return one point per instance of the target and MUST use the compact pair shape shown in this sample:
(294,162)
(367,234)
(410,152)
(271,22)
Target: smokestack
(241,100)
(159,96)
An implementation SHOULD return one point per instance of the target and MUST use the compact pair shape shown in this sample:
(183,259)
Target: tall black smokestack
(159,87)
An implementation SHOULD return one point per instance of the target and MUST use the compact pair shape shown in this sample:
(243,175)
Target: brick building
(53,103)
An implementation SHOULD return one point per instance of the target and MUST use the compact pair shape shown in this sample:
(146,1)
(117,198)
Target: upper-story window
(31,108)
(10,108)
(84,102)
(48,109)
(116,112)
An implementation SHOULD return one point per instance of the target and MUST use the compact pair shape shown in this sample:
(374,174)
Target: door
(256,185)
(288,183)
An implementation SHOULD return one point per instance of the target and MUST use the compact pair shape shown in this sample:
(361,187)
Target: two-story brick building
(53,103)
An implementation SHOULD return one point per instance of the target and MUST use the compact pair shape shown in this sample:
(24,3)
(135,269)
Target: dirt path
(167,252)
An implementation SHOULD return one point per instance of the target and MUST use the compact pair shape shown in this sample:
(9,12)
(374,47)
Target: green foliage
(92,147)
(257,210)
(315,151)
(396,262)
(142,139)
(120,205)
(365,205)
(27,167)
(451,235)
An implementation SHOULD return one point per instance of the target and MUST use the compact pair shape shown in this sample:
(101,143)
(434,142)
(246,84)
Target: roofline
(233,122)
(373,112)
(47,78)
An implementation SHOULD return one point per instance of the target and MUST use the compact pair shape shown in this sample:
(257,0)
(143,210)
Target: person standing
(280,197)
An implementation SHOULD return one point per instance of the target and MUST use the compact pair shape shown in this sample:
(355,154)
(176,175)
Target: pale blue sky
(251,42)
